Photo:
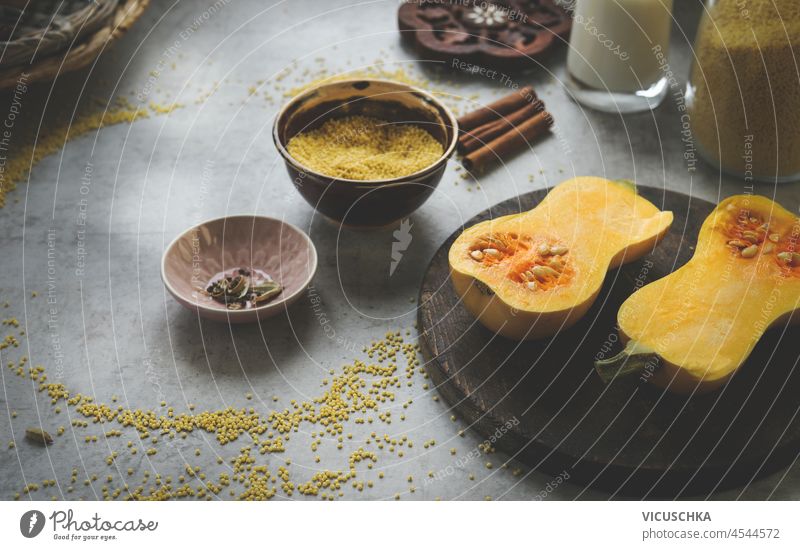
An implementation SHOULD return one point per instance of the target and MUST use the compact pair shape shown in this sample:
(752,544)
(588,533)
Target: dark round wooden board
(628,438)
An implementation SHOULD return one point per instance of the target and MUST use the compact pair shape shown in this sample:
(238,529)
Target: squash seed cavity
(496,247)
(544,270)
(547,269)
(749,234)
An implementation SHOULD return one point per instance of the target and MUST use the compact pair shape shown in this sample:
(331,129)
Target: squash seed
(37,435)
(774,237)
(750,251)
(739,244)
(496,240)
(558,250)
(531,285)
(556,264)
(751,236)
(543,249)
(493,252)
(768,248)
(476,255)
(785,257)
(542,272)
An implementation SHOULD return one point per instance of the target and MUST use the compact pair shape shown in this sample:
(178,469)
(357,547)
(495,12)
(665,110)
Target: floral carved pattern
(502,32)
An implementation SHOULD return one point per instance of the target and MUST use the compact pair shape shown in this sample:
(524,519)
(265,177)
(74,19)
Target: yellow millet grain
(51,139)
(357,389)
(745,107)
(365,148)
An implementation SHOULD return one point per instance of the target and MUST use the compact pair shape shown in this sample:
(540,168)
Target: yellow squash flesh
(583,228)
(697,326)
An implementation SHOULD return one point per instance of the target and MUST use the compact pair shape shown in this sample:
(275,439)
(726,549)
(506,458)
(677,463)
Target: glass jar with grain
(743,95)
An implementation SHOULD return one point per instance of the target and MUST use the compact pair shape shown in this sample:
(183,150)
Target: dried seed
(542,272)
(37,435)
(217,290)
(774,237)
(750,251)
(768,248)
(739,244)
(476,255)
(265,292)
(543,249)
(493,252)
(558,250)
(238,285)
(242,287)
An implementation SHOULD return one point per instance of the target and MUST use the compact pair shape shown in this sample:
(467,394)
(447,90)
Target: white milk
(612,41)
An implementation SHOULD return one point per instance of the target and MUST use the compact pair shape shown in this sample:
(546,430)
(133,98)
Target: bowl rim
(446,154)
(241,312)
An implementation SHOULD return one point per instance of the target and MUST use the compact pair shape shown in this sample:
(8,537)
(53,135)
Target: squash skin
(703,320)
(602,223)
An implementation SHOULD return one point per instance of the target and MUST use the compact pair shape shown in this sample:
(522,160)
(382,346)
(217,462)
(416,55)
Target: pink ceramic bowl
(218,246)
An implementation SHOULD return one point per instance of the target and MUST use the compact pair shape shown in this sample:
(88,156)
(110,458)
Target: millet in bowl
(365,153)
(365,148)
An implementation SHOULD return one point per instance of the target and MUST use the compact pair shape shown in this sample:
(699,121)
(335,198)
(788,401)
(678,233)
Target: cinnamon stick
(483,134)
(511,141)
(501,107)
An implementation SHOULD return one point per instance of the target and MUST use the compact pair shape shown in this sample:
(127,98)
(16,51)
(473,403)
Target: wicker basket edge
(79,55)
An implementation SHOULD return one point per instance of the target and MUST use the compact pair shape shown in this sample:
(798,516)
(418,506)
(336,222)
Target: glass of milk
(617,54)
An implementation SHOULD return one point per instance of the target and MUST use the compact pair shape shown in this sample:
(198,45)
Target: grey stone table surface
(114,199)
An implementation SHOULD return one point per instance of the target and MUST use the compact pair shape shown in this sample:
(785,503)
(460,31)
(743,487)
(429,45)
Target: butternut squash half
(691,330)
(530,275)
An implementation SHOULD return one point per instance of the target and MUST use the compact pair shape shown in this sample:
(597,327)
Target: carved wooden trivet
(498,34)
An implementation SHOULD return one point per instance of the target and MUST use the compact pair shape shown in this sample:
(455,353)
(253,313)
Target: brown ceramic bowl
(365,203)
(218,246)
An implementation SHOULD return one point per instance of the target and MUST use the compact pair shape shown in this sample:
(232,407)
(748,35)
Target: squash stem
(634,358)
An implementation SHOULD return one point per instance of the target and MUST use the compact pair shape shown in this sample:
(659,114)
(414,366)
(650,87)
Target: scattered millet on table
(354,394)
